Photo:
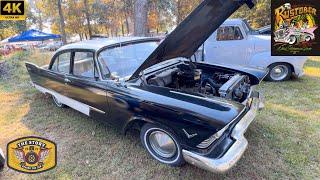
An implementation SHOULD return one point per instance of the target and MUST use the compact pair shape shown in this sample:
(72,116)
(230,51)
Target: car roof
(97,44)
(233,22)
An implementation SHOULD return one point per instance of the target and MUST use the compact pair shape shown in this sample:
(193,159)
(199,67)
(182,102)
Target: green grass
(283,141)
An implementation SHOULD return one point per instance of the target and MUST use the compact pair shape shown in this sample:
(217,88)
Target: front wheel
(161,144)
(279,72)
(292,40)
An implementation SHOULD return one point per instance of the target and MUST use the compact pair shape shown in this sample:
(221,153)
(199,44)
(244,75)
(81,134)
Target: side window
(227,33)
(83,64)
(62,63)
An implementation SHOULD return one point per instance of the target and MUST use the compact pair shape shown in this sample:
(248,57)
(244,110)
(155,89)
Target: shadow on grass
(89,148)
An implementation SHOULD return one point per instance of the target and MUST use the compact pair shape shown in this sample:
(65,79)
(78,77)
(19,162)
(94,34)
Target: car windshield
(246,26)
(122,61)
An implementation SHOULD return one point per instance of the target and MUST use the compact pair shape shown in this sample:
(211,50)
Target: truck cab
(235,43)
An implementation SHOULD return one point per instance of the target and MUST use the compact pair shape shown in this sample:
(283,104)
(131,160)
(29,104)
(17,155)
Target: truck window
(83,64)
(227,33)
(62,63)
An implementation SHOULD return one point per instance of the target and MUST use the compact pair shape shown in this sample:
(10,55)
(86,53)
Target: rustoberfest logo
(31,154)
(295,27)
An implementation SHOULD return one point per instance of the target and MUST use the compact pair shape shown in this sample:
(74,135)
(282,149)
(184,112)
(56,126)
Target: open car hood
(193,31)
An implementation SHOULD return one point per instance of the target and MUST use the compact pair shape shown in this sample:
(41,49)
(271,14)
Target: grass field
(284,141)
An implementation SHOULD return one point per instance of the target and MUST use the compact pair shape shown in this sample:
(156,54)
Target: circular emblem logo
(31,158)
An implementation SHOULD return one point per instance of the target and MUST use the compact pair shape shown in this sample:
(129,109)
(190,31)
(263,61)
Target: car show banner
(295,27)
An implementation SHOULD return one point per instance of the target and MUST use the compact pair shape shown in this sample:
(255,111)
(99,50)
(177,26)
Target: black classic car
(185,110)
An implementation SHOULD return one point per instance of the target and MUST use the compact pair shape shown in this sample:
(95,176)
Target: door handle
(66,80)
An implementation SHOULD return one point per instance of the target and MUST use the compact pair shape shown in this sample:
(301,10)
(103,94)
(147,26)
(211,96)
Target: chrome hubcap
(162,144)
(279,72)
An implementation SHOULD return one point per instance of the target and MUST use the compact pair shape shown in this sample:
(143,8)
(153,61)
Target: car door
(59,69)
(84,84)
(227,46)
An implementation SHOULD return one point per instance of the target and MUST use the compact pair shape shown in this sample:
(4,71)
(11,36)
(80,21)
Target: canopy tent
(33,35)
(5,41)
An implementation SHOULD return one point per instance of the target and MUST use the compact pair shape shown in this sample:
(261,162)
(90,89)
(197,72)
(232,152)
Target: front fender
(180,128)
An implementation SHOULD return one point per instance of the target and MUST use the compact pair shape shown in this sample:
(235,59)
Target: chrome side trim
(79,106)
(234,153)
(98,110)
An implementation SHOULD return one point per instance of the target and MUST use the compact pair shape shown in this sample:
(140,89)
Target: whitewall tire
(161,144)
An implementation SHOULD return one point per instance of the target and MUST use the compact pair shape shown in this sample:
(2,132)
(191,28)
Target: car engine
(233,86)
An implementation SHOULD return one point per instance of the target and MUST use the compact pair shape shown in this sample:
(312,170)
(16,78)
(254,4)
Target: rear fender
(264,60)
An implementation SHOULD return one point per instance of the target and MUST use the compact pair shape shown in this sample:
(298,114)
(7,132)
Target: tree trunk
(40,21)
(87,17)
(141,18)
(62,25)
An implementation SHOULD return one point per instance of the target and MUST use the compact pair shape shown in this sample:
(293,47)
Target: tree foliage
(82,18)
(257,17)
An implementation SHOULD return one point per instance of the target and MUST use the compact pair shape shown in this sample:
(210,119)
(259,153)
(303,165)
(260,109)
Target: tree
(184,7)
(141,18)
(257,17)
(62,24)
(87,17)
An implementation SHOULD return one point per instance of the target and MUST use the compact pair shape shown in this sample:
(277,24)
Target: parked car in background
(185,110)
(293,35)
(52,46)
(234,43)
(262,30)
(266,30)
(9,48)
(26,47)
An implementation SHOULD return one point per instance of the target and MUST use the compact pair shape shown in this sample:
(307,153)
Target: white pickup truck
(236,43)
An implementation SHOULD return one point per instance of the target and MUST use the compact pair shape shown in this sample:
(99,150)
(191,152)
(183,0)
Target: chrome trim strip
(76,105)
(98,110)
(199,97)
(234,153)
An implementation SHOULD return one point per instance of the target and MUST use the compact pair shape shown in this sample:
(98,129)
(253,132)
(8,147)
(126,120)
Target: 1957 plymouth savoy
(185,110)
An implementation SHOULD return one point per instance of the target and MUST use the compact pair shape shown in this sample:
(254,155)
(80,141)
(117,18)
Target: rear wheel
(279,72)
(308,38)
(58,103)
(161,144)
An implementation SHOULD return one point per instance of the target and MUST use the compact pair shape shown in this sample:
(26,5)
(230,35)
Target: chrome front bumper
(234,153)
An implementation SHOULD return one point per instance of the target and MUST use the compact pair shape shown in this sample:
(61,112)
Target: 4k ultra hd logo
(295,26)
(31,155)
(12,10)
